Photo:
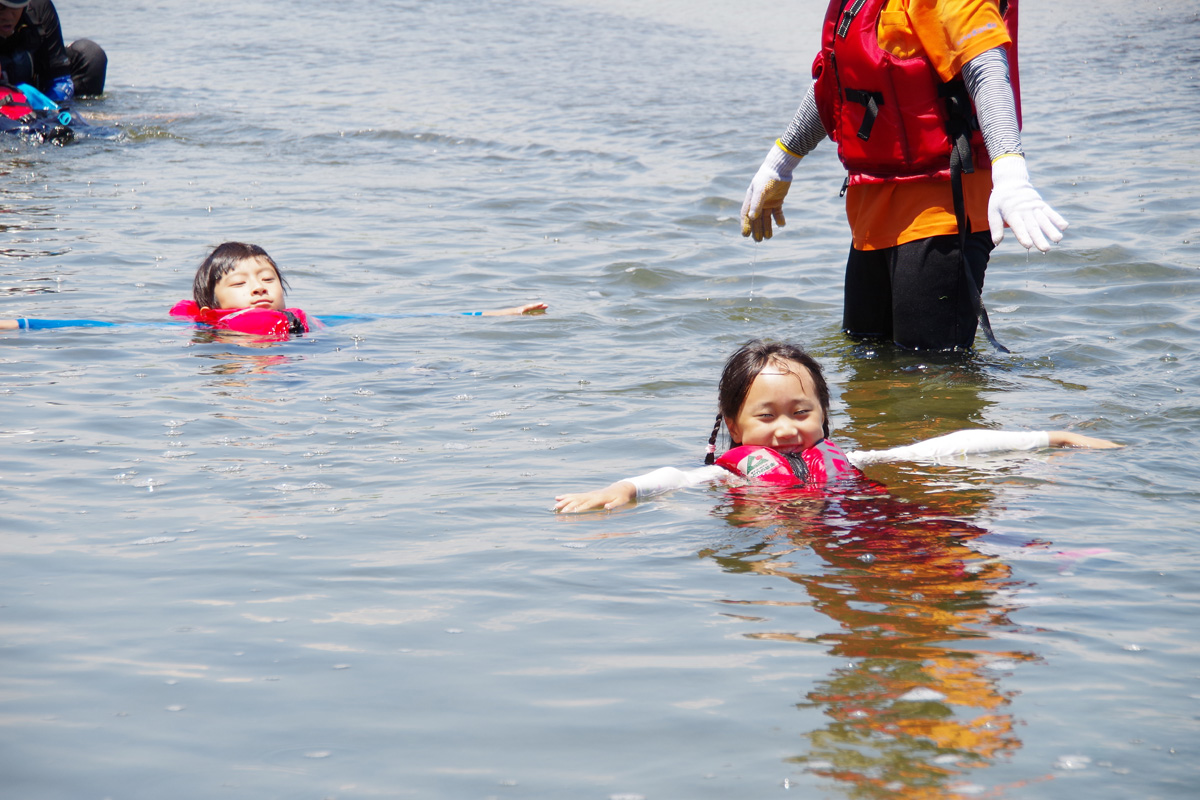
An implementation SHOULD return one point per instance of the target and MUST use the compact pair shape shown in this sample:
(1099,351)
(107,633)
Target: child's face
(253,283)
(781,410)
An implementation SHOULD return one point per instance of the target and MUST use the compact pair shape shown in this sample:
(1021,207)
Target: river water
(328,568)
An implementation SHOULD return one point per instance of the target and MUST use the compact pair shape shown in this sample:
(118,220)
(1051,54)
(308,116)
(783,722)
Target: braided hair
(743,367)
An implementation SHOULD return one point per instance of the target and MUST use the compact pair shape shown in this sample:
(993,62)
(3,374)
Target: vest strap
(872,101)
(848,15)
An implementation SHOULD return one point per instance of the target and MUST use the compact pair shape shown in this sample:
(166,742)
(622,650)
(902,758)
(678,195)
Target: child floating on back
(774,402)
(240,288)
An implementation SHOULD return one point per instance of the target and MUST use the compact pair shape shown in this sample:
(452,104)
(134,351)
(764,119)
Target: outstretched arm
(624,492)
(528,308)
(976,442)
(1013,201)
(621,493)
(1068,439)
(8,325)
(764,198)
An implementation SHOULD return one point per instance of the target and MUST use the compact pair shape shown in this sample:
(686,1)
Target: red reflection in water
(918,702)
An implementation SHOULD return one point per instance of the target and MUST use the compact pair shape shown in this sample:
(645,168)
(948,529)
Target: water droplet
(1072,762)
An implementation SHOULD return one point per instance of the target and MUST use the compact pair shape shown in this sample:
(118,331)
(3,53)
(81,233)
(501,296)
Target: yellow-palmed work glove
(764,198)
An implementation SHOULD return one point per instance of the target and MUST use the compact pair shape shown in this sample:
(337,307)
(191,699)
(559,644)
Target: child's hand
(530,308)
(619,494)
(1068,439)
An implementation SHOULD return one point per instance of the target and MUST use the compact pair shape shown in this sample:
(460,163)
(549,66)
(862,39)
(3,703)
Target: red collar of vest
(258,321)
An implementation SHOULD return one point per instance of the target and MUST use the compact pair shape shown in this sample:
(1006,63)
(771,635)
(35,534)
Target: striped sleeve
(806,130)
(987,79)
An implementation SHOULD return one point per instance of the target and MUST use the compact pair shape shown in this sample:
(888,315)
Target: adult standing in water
(32,51)
(922,98)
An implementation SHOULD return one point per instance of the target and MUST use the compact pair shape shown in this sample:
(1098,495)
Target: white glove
(1015,201)
(764,198)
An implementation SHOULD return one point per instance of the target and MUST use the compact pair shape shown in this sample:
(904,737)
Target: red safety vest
(15,106)
(889,115)
(819,465)
(258,321)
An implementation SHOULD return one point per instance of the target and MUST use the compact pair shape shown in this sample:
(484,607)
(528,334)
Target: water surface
(327,568)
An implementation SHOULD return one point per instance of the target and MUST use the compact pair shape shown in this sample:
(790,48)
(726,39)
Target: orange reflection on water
(916,703)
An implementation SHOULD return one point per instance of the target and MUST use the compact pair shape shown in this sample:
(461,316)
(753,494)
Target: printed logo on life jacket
(757,464)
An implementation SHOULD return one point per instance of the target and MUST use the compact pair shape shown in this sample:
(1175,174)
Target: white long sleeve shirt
(937,450)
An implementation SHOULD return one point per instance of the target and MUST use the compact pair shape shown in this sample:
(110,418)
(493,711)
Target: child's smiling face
(253,283)
(781,410)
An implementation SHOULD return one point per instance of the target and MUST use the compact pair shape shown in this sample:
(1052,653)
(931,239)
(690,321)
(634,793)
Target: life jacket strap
(848,15)
(295,324)
(872,101)
(961,162)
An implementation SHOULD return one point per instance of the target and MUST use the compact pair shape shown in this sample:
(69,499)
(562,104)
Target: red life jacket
(15,105)
(259,321)
(889,115)
(819,465)
(18,114)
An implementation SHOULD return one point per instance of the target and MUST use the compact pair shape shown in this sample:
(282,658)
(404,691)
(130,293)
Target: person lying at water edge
(32,51)
(240,288)
(774,402)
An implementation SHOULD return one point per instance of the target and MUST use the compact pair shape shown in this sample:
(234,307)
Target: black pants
(89,65)
(916,294)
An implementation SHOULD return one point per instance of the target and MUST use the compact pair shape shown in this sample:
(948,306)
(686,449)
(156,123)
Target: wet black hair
(223,259)
(743,367)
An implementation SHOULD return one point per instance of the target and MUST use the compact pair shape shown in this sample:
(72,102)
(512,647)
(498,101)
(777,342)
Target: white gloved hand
(764,198)
(1015,201)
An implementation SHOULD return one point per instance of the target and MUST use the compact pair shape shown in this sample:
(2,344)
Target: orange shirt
(949,33)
